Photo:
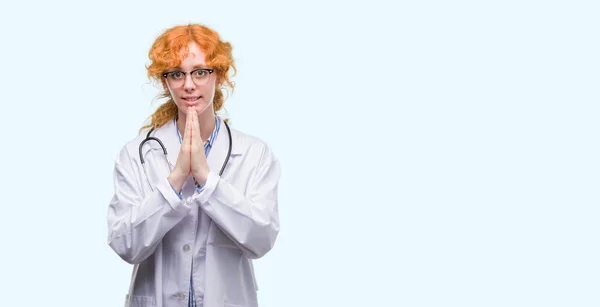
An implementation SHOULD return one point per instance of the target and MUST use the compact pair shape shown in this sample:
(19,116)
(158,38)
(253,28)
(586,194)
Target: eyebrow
(193,67)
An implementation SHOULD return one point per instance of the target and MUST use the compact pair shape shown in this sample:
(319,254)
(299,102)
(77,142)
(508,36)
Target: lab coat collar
(167,133)
(220,146)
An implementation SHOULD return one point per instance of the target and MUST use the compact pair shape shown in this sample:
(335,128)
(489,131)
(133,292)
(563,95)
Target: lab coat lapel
(168,136)
(218,152)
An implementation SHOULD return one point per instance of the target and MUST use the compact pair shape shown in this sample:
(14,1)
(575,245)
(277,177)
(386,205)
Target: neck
(206,120)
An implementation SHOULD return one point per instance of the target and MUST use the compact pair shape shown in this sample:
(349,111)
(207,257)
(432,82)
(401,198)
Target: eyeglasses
(177,78)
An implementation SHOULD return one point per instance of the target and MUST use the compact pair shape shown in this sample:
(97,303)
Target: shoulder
(248,141)
(251,145)
(130,150)
(135,141)
(257,154)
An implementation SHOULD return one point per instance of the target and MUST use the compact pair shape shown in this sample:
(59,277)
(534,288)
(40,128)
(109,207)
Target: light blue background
(434,153)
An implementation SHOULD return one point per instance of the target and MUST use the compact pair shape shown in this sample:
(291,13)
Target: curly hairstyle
(165,54)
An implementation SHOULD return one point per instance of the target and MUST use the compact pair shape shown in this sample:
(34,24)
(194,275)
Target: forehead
(192,57)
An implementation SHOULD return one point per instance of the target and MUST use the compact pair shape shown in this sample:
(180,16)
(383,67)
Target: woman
(190,231)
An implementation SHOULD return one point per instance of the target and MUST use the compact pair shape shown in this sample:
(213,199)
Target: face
(190,84)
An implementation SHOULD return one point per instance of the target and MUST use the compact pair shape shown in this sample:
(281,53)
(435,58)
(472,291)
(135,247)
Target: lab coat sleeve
(137,222)
(251,221)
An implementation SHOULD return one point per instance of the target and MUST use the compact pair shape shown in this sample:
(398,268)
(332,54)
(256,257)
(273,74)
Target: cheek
(209,91)
(175,97)
(209,96)
(174,94)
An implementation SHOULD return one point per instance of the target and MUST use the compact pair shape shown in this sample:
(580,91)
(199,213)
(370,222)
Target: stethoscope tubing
(164,149)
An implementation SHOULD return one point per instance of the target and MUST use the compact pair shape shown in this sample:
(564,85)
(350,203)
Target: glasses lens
(176,78)
(200,77)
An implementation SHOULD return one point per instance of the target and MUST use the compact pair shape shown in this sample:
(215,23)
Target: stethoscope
(164,149)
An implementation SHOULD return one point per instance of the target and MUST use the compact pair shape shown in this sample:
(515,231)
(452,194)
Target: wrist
(176,180)
(201,176)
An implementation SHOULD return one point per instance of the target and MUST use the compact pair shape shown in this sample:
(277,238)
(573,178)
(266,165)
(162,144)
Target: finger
(187,133)
(190,120)
(195,134)
(197,122)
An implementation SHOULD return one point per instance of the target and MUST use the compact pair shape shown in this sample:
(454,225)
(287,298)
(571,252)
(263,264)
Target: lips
(191,98)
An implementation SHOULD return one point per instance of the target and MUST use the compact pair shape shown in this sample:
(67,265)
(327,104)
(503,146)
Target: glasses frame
(185,74)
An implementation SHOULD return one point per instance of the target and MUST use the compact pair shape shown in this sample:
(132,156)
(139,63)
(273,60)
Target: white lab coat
(157,231)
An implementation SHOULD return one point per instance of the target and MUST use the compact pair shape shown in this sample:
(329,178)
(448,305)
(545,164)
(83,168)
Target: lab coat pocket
(139,301)
(237,277)
(219,239)
(226,245)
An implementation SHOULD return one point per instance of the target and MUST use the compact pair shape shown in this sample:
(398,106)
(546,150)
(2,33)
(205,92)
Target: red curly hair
(165,54)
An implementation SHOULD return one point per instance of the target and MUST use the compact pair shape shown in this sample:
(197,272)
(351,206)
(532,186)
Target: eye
(176,75)
(200,73)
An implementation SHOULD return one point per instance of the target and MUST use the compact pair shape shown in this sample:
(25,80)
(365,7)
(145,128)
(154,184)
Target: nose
(189,84)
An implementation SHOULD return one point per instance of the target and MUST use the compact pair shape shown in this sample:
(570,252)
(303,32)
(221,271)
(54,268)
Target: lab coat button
(186,248)
(181,296)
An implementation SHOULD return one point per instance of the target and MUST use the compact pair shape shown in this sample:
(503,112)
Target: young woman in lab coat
(190,233)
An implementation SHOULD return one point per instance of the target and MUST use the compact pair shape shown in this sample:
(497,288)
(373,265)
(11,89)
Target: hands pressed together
(192,158)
